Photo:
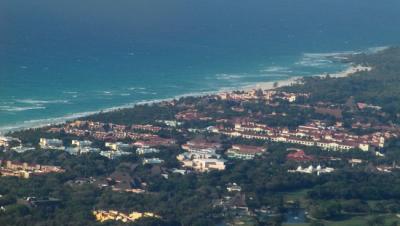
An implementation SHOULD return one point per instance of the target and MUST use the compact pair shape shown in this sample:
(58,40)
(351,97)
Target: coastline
(39,123)
(293,80)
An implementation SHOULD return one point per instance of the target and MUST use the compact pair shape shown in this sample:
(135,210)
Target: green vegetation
(380,86)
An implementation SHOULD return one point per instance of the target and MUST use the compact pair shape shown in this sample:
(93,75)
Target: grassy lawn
(305,224)
(243,221)
(298,195)
(351,221)
(354,221)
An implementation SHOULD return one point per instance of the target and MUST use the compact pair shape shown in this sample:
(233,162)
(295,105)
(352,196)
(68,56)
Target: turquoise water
(61,59)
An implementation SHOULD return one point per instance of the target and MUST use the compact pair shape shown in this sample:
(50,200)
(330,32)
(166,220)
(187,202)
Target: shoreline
(40,123)
(292,80)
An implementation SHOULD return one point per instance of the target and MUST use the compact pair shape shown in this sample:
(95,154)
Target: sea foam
(39,102)
(19,109)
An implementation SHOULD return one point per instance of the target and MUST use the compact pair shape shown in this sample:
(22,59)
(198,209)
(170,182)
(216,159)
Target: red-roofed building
(245,152)
(299,155)
(154,142)
(200,144)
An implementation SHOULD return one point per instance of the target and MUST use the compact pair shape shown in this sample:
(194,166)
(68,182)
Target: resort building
(81,147)
(83,150)
(298,155)
(81,143)
(233,187)
(144,151)
(22,149)
(245,152)
(318,170)
(314,134)
(154,141)
(113,154)
(6,142)
(26,170)
(206,165)
(54,144)
(118,146)
(149,128)
(113,215)
(152,161)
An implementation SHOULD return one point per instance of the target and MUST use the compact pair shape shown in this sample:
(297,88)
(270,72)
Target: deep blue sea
(60,59)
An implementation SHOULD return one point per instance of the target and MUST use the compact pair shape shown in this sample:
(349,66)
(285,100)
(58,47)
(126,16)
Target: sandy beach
(292,80)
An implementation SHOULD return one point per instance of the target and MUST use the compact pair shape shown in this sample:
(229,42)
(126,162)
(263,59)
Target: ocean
(64,59)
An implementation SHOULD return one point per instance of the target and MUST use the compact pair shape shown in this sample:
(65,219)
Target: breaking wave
(39,102)
(19,109)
